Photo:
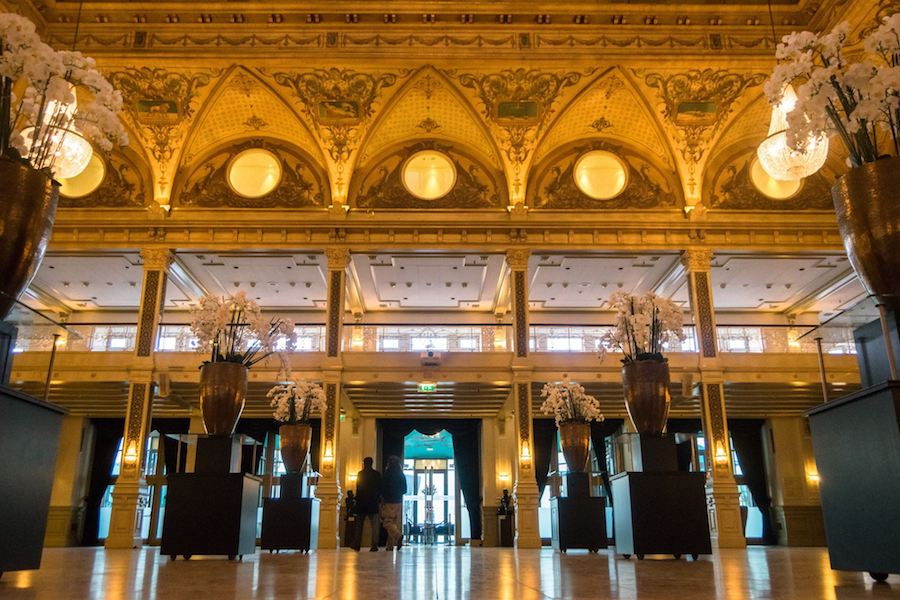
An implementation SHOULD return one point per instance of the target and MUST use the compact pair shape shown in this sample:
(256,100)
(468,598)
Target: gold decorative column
(525,492)
(329,488)
(722,494)
(130,491)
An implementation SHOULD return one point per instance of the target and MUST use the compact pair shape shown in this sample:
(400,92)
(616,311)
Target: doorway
(441,460)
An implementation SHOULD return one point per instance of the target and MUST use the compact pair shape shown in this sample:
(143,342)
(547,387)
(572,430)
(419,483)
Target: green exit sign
(427,387)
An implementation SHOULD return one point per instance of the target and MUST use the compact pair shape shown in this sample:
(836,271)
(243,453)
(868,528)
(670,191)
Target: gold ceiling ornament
(697,103)
(338,101)
(519,102)
(159,105)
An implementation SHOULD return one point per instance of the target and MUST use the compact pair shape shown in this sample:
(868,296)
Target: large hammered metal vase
(223,386)
(27,211)
(575,438)
(867,202)
(295,440)
(647,396)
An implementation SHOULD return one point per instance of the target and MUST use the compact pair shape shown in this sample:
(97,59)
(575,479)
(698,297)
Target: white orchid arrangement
(644,326)
(39,112)
(234,329)
(293,401)
(856,99)
(567,401)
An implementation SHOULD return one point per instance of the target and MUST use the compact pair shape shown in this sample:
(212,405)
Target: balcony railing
(421,338)
(120,337)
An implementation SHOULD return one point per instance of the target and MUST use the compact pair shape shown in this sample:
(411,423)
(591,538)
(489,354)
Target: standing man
(392,490)
(368,497)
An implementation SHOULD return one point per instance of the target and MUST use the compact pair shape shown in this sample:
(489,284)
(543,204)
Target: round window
(254,173)
(429,175)
(85,182)
(771,187)
(601,175)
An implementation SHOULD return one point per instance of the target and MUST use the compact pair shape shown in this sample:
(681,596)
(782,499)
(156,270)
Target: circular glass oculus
(429,175)
(254,173)
(600,175)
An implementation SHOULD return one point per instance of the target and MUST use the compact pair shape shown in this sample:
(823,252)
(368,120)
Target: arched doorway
(466,444)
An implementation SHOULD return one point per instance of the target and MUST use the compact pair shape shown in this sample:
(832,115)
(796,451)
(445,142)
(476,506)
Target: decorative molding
(716,411)
(523,393)
(159,105)
(520,293)
(337,101)
(703,312)
(554,184)
(517,258)
(331,410)
(157,259)
(335,309)
(301,186)
(137,401)
(697,103)
(519,102)
(151,305)
(697,259)
(338,258)
(476,186)
(733,190)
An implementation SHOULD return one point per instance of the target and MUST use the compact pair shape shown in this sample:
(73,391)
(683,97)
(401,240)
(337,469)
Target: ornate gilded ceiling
(511,93)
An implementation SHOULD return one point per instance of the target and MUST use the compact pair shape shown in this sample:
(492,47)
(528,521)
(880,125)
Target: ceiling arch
(428,106)
(242,105)
(612,107)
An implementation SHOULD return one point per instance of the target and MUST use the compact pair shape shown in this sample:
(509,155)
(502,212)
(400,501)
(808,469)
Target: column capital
(157,259)
(697,259)
(517,258)
(338,257)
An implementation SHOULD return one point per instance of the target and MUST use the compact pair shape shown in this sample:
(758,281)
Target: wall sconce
(351,478)
(721,456)
(130,457)
(525,457)
(504,478)
(813,477)
(328,456)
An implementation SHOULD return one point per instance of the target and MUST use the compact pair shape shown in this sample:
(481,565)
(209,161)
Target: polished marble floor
(442,572)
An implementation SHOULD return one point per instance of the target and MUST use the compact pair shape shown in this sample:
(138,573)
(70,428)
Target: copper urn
(295,440)
(26,218)
(223,387)
(575,438)
(647,395)
(867,202)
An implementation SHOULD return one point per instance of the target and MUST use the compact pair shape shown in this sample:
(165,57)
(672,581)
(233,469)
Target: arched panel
(730,188)
(303,183)
(127,182)
(243,105)
(610,106)
(552,184)
(478,186)
(428,106)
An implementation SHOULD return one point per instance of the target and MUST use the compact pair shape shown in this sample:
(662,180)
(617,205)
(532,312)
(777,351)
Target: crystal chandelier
(781,161)
(62,146)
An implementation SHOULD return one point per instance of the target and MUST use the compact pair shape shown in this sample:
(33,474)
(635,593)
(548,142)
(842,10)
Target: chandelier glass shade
(60,145)
(777,158)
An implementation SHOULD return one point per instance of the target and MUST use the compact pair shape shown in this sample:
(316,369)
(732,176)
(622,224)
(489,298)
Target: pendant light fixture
(776,157)
(71,152)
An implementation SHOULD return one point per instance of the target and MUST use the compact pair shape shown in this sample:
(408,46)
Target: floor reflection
(442,572)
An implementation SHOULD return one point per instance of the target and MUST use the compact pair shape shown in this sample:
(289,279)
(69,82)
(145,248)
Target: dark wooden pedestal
(29,438)
(578,523)
(212,510)
(506,530)
(210,513)
(290,524)
(660,513)
(856,440)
